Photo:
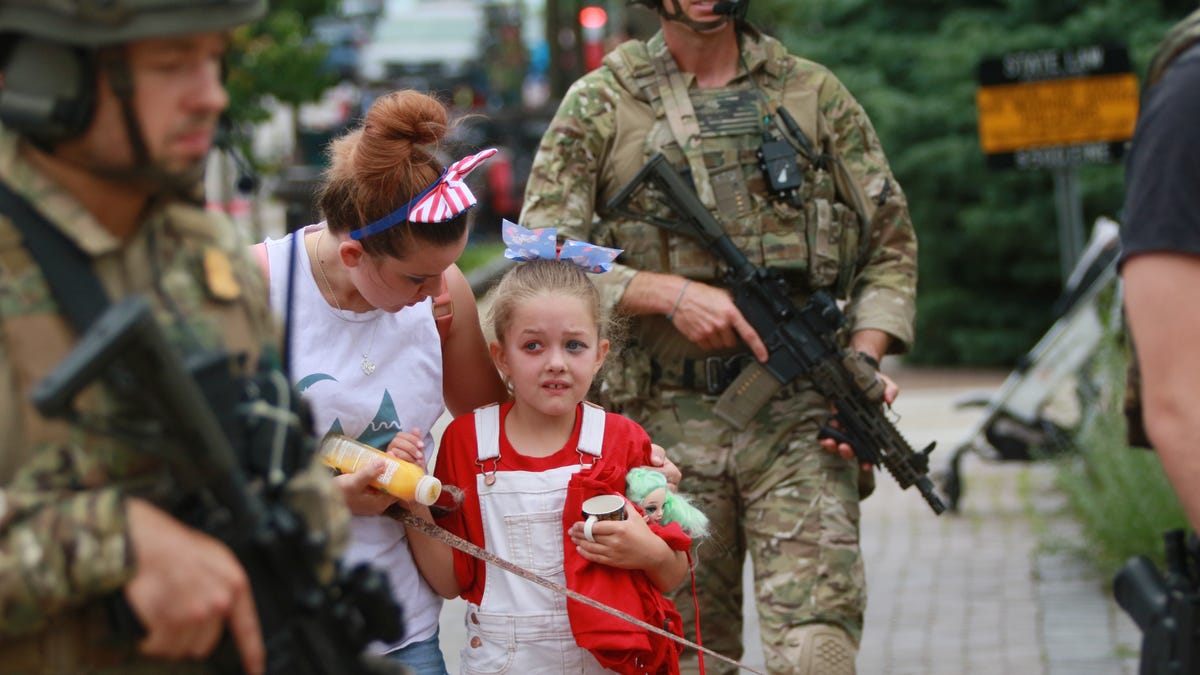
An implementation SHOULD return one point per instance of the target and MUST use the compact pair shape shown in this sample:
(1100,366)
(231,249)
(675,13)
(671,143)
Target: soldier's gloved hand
(186,589)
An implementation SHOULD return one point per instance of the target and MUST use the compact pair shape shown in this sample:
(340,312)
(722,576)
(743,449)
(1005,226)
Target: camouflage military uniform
(770,490)
(63,538)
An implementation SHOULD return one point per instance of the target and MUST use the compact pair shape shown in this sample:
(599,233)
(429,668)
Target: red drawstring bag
(617,644)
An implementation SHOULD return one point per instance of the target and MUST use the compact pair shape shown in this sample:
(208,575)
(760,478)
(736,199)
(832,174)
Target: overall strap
(591,430)
(68,270)
(487,433)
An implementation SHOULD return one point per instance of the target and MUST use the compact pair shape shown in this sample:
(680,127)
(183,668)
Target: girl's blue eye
(576,345)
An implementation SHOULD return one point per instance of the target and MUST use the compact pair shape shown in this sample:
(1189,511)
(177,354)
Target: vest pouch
(824,234)
(833,244)
(691,259)
(784,241)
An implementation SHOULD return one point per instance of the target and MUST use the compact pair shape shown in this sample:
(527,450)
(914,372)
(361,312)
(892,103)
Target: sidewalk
(998,588)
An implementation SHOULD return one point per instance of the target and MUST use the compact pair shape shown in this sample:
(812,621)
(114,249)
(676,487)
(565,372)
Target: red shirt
(625,444)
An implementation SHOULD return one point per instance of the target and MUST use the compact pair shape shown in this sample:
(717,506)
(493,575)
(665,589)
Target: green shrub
(479,253)
(1120,494)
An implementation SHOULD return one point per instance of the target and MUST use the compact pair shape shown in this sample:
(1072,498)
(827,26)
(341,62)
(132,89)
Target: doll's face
(653,505)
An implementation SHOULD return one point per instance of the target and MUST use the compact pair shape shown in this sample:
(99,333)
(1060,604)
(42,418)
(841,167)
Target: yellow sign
(1058,112)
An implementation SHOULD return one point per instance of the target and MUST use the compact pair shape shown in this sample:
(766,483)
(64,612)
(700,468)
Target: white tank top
(403,393)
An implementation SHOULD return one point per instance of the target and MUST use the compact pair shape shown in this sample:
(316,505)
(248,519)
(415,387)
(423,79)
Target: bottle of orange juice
(400,478)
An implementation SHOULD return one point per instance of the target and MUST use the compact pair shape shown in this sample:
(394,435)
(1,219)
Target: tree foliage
(989,258)
(274,58)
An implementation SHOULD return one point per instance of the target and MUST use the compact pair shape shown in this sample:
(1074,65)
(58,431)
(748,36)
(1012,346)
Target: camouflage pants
(773,493)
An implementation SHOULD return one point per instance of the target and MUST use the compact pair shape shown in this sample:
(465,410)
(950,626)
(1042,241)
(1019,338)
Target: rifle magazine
(742,399)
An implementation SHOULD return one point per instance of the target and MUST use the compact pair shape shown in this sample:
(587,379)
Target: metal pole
(1069,204)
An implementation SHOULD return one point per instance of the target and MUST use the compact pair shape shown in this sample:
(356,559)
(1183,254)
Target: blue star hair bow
(540,244)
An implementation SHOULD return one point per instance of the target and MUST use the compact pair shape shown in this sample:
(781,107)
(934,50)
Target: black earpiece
(49,90)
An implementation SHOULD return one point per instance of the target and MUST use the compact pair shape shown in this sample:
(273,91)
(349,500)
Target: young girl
(526,467)
(368,347)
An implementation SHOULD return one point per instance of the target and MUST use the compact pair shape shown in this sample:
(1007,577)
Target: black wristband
(871,360)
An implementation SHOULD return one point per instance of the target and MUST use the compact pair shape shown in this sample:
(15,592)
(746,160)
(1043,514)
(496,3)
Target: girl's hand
(627,544)
(361,497)
(408,446)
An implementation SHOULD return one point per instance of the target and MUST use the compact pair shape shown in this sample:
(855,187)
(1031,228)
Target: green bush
(479,253)
(1119,494)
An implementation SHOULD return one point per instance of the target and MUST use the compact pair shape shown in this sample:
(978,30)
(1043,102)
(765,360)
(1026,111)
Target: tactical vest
(51,455)
(714,135)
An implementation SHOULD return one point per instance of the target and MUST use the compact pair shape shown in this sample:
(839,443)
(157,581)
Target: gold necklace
(367,365)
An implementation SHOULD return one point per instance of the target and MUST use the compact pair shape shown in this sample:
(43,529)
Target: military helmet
(48,52)
(738,10)
(98,23)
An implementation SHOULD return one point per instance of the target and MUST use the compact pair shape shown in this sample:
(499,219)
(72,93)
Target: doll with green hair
(648,489)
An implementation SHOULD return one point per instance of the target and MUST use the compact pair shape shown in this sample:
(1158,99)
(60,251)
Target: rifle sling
(68,270)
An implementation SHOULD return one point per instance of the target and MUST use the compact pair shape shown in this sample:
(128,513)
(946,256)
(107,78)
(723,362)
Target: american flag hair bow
(525,245)
(448,198)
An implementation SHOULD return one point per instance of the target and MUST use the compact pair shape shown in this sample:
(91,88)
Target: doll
(648,489)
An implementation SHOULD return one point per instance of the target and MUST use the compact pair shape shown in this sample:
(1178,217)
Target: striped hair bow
(524,245)
(448,198)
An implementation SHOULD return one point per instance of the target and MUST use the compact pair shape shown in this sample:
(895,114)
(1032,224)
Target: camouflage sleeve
(562,187)
(884,292)
(57,546)
(58,549)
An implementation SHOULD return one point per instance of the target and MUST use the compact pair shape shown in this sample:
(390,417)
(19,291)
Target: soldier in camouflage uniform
(706,92)
(108,113)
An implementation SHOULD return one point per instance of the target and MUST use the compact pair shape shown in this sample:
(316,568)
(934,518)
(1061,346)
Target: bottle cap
(428,489)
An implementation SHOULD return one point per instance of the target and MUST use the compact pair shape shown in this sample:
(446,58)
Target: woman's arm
(469,378)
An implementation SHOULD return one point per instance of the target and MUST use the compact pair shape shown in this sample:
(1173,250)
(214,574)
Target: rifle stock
(309,627)
(801,342)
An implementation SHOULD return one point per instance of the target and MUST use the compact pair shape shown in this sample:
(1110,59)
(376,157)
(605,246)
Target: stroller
(1018,424)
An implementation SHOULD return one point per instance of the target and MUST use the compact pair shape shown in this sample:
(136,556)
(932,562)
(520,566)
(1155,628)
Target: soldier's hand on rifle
(362,498)
(707,316)
(186,589)
(867,343)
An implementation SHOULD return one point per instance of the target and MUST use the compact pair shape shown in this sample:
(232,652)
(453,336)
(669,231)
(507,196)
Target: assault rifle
(1167,610)
(308,627)
(801,342)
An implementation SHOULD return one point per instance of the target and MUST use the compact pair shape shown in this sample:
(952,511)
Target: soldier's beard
(679,16)
(155,178)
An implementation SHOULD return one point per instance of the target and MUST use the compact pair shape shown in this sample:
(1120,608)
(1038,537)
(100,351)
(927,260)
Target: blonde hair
(530,279)
(381,165)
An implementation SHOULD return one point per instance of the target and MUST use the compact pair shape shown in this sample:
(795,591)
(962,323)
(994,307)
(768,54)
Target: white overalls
(519,626)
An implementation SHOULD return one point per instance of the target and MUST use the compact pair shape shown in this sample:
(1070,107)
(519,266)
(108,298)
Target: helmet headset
(52,52)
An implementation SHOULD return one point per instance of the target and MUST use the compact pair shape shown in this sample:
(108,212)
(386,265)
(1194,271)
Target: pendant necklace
(367,365)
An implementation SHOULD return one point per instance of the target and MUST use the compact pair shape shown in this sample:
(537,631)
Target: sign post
(1056,109)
